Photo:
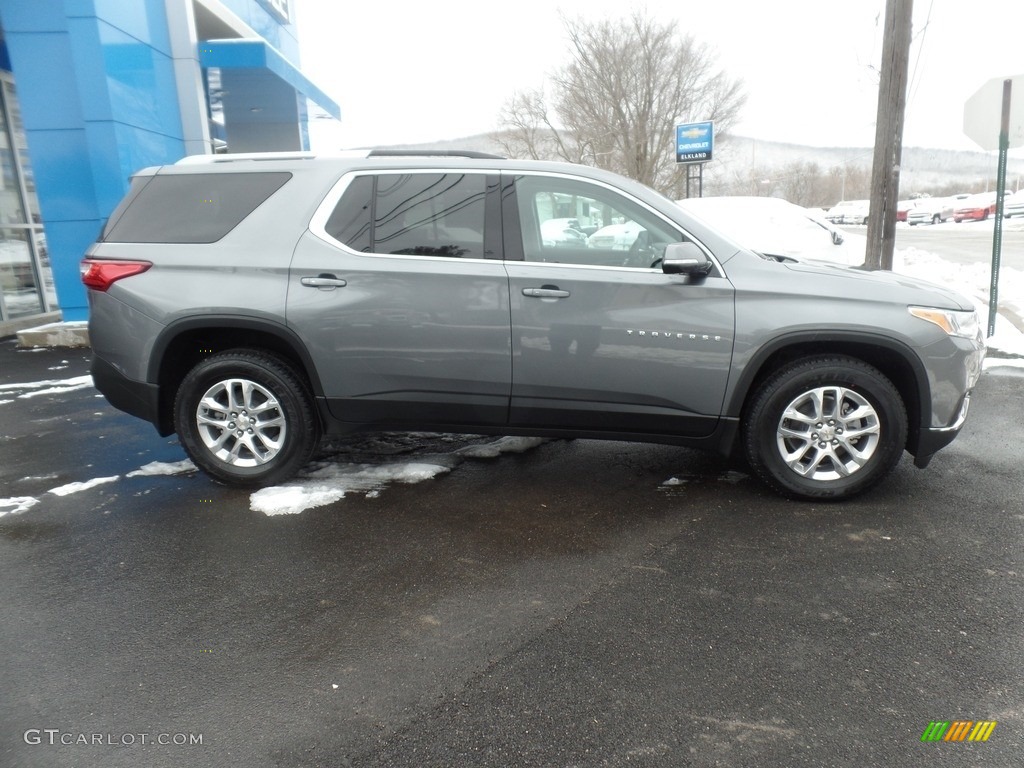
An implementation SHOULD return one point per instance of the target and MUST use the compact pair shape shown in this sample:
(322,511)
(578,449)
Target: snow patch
(48,383)
(331,483)
(28,389)
(1003,362)
(163,468)
(15,505)
(500,446)
(64,490)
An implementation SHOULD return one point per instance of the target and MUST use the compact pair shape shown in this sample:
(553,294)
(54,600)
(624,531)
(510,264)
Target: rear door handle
(324,281)
(545,293)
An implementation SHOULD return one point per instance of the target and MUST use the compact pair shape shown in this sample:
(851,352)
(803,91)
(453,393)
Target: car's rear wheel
(246,418)
(825,427)
(936,219)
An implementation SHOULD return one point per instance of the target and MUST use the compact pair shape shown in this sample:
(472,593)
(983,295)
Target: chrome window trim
(622,193)
(318,222)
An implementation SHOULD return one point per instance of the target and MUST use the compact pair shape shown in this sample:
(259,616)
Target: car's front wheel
(246,418)
(826,427)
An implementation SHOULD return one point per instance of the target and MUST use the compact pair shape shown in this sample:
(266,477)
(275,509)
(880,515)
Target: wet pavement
(578,603)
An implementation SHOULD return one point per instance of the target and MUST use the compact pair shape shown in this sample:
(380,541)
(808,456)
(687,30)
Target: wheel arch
(185,342)
(895,360)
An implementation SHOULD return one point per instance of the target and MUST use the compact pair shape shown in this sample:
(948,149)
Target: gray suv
(253,304)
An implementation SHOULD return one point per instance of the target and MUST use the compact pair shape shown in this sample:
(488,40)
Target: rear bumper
(138,398)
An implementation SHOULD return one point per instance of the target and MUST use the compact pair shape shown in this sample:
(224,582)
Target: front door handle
(324,282)
(545,293)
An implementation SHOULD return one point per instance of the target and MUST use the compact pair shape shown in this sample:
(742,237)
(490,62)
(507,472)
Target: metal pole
(997,234)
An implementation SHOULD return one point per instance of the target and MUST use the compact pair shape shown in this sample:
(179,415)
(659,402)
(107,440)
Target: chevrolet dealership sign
(695,142)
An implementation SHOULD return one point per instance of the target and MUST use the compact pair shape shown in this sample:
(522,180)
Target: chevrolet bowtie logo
(694,133)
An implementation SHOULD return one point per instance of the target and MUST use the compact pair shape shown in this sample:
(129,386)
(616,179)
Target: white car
(849,212)
(562,232)
(776,227)
(931,210)
(1013,205)
(616,237)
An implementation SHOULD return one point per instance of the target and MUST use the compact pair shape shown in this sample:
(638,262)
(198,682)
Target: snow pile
(323,484)
(972,280)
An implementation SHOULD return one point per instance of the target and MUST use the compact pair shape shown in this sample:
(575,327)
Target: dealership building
(93,90)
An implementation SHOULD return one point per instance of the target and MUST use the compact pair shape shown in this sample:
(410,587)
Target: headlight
(963,324)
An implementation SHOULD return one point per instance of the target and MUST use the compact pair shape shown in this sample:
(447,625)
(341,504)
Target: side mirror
(685,259)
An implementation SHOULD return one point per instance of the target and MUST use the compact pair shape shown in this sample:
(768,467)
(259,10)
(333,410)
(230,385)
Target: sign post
(981,126)
(695,145)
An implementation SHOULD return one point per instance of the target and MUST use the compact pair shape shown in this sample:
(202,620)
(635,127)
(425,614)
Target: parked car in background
(565,232)
(976,207)
(849,212)
(931,210)
(903,207)
(1013,205)
(778,228)
(616,237)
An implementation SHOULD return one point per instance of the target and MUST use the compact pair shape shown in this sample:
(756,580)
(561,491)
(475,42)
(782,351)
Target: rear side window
(415,214)
(191,208)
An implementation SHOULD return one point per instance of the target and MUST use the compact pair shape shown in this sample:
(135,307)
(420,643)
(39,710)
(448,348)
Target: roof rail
(229,157)
(434,153)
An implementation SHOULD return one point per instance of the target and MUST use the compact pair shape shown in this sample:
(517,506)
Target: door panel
(601,338)
(626,350)
(406,340)
(407,322)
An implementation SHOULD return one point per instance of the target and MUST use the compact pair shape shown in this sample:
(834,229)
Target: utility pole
(892,102)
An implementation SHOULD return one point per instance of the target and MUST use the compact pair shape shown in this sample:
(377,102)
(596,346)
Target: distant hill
(744,165)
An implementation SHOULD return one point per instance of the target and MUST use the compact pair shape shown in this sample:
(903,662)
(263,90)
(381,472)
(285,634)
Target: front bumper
(932,440)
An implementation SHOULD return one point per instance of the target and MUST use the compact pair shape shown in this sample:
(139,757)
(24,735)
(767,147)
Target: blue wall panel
(32,15)
(68,241)
(99,101)
(45,78)
(140,82)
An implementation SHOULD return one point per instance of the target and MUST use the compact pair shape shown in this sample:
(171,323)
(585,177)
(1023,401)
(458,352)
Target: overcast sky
(414,72)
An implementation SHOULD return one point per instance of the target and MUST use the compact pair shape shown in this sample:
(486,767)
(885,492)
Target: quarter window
(189,208)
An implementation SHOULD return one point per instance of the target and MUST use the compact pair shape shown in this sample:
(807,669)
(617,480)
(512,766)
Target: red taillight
(100,275)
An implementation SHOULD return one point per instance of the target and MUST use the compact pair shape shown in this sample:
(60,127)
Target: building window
(26,282)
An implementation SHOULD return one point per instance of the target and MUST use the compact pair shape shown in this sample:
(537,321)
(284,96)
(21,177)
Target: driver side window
(565,221)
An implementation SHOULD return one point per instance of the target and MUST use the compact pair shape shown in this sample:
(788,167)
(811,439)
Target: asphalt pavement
(577,604)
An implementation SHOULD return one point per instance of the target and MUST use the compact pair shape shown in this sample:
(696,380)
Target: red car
(976,207)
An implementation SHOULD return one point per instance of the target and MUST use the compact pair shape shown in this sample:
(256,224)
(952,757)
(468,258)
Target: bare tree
(616,103)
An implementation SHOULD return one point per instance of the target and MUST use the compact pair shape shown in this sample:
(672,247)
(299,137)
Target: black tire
(824,464)
(936,219)
(269,435)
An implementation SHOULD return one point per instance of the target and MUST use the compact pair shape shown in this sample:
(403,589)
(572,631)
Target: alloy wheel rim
(241,423)
(828,433)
